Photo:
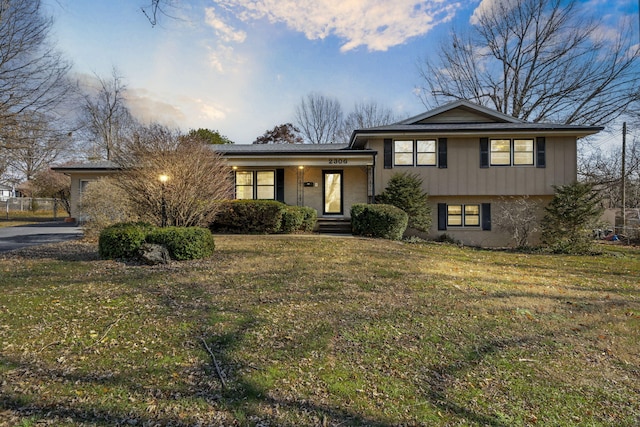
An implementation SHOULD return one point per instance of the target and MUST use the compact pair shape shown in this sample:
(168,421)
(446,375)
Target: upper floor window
(255,185)
(420,152)
(507,152)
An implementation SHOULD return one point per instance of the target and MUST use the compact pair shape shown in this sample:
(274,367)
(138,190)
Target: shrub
(292,219)
(122,241)
(104,204)
(570,218)
(249,216)
(404,191)
(386,221)
(310,218)
(184,243)
(298,218)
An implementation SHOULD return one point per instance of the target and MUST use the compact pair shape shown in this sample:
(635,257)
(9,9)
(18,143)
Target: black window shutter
(442,153)
(388,154)
(541,161)
(280,185)
(484,152)
(442,216)
(486,216)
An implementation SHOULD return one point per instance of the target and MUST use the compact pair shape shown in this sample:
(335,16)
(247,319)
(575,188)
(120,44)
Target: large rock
(153,254)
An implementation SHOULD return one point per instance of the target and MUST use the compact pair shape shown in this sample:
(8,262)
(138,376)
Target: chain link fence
(30,206)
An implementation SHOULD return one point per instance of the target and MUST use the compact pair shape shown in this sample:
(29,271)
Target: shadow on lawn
(248,398)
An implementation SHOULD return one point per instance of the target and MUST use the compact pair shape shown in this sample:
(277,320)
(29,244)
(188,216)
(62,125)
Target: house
(81,175)
(5,192)
(469,157)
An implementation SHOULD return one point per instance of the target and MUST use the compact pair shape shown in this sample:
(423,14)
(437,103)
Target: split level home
(471,160)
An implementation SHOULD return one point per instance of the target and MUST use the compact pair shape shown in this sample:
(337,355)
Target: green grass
(322,331)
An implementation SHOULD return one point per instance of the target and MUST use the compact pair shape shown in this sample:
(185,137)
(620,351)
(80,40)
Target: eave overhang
(359,137)
(328,158)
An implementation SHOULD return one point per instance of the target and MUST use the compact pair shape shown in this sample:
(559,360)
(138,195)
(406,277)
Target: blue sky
(242,66)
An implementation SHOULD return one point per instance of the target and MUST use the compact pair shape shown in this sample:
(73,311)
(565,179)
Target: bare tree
(33,83)
(35,146)
(55,185)
(105,117)
(538,60)
(196,178)
(366,115)
(105,203)
(603,169)
(319,118)
(33,75)
(518,216)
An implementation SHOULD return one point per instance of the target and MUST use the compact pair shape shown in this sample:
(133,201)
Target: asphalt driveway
(37,234)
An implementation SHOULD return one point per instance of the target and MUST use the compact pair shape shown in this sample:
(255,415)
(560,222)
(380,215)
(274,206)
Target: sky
(242,66)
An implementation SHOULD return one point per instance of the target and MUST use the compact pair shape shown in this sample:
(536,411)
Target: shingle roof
(278,148)
(91,165)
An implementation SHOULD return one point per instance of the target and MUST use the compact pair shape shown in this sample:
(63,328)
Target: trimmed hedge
(184,243)
(123,241)
(385,221)
(310,219)
(263,217)
(292,219)
(249,216)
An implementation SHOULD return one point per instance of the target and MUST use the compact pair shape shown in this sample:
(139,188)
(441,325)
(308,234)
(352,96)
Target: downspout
(373,179)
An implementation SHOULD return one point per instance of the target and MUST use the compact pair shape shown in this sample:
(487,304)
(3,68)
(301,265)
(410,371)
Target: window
(255,185)
(244,185)
(501,152)
(424,149)
(507,152)
(83,185)
(463,215)
(523,151)
(426,152)
(477,216)
(403,153)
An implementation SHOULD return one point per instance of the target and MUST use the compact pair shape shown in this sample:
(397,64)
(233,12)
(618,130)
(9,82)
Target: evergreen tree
(570,218)
(404,191)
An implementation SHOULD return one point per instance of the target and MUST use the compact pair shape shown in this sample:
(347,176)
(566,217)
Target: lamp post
(163,180)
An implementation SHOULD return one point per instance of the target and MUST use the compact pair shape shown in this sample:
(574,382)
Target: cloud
(376,24)
(146,107)
(490,6)
(226,32)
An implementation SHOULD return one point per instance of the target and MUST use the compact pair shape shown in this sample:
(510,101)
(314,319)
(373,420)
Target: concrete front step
(334,226)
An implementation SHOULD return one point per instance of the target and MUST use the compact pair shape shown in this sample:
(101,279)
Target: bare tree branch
(319,118)
(538,60)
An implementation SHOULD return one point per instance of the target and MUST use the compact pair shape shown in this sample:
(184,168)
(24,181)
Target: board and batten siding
(464,176)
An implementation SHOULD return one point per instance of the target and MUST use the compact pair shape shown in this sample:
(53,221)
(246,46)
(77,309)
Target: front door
(332,198)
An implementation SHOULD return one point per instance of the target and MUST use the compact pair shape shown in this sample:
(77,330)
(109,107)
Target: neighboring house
(469,157)
(5,192)
(81,175)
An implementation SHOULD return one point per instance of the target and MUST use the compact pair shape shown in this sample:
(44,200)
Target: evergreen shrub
(249,216)
(122,240)
(292,219)
(404,191)
(184,243)
(310,219)
(385,221)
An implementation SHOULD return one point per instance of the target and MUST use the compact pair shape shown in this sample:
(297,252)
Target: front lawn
(320,331)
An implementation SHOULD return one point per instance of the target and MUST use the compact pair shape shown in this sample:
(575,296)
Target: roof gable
(460,112)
